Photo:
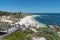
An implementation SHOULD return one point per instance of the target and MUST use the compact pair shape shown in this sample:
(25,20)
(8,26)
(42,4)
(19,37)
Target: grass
(48,33)
(19,35)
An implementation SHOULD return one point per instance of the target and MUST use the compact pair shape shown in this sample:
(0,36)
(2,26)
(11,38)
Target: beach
(29,20)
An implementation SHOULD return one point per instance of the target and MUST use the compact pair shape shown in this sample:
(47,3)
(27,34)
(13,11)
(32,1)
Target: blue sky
(30,6)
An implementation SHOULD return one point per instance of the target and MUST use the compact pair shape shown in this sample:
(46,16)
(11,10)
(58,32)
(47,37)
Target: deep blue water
(48,18)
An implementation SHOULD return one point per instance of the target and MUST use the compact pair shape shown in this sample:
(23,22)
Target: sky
(30,6)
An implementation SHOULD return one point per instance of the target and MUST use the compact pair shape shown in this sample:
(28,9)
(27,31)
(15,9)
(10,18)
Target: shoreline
(29,20)
(38,23)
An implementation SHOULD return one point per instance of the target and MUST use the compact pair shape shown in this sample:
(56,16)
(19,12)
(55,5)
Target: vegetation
(48,33)
(4,13)
(19,35)
(18,14)
(13,17)
(28,34)
(4,24)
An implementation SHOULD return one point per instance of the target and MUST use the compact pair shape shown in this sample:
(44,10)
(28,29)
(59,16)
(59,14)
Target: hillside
(29,32)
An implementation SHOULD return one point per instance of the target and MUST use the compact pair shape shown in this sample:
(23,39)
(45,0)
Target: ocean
(48,18)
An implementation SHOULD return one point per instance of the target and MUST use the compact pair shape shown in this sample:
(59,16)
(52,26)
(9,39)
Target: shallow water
(48,19)
(39,23)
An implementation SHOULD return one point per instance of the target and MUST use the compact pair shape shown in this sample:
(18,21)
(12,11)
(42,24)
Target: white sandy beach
(28,20)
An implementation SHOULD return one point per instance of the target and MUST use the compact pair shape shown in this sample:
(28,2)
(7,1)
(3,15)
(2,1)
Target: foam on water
(39,23)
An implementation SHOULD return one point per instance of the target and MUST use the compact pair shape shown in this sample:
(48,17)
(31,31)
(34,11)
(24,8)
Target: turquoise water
(39,23)
(47,19)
